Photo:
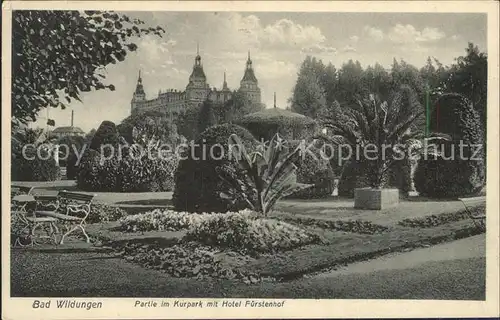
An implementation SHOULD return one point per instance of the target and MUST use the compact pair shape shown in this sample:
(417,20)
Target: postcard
(212,159)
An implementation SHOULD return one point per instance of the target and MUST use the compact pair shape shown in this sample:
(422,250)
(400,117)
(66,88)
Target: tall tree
(56,55)
(350,86)
(308,94)
(187,122)
(206,117)
(329,82)
(469,77)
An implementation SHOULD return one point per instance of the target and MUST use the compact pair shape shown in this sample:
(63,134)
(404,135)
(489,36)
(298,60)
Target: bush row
(38,169)
(126,174)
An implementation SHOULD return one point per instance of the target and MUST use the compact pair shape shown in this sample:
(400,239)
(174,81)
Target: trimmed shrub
(197,182)
(461,175)
(313,169)
(126,174)
(106,134)
(440,178)
(96,175)
(39,168)
(290,125)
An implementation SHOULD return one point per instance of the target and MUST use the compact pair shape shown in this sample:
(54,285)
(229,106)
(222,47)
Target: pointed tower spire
(139,89)
(274,99)
(224,84)
(197,60)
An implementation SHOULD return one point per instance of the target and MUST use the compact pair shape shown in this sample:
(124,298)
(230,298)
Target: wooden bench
(70,208)
(479,220)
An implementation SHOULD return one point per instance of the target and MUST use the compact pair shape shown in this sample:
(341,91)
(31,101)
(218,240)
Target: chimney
(72,117)
(274,100)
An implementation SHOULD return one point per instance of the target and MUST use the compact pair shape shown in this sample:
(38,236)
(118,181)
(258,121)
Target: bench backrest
(75,196)
(21,189)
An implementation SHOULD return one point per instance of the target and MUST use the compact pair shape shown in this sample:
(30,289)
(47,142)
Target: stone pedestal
(375,199)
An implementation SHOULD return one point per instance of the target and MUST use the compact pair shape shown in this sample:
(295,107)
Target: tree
(308,96)
(329,82)
(235,108)
(56,55)
(469,77)
(187,122)
(376,80)
(206,117)
(380,122)
(403,73)
(350,86)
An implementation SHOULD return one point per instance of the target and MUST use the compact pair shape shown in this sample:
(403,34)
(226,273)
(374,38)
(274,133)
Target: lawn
(341,244)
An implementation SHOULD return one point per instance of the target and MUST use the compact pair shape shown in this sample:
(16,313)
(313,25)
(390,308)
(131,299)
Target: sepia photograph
(247,157)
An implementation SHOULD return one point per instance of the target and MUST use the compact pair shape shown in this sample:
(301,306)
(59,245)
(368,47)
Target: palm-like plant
(270,171)
(385,126)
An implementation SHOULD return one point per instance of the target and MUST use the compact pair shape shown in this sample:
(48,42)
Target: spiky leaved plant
(389,127)
(270,171)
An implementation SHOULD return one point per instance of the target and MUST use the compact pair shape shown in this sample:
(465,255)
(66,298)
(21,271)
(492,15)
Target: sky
(278,42)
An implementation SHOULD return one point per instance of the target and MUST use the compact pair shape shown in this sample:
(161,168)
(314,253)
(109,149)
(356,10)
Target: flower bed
(167,220)
(437,220)
(187,260)
(354,226)
(249,235)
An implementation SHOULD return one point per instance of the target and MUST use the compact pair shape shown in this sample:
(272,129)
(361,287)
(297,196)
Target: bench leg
(74,229)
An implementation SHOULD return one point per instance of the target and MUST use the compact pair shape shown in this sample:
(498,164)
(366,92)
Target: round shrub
(440,178)
(34,167)
(290,125)
(313,169)
(106,134)
(456,173)
(95,173)
(197,182)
